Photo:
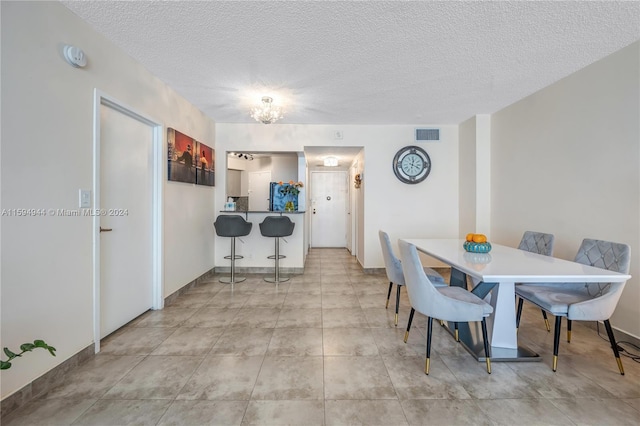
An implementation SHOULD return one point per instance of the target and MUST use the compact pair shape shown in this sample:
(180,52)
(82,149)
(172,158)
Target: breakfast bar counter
(255,248)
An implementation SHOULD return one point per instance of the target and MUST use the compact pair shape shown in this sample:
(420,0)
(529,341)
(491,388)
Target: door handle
(105,229)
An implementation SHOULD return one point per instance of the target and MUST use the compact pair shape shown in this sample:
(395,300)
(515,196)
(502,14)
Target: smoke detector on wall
(74,56)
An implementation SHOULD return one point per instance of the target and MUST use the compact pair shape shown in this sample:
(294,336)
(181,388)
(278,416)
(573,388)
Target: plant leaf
(39,344)
(52,350)
(9,353)
(27,347)
(4,365)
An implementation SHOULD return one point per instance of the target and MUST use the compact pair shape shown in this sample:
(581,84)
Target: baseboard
(44,383)
(55,376)
(621,336)
(173,296)
(259,270)
(443,271)
(374,270)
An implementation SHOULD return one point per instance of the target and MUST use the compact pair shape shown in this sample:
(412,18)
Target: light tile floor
(322,349)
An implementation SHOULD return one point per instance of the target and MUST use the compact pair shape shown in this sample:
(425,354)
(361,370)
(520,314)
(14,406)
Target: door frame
(353,210)
(157,171)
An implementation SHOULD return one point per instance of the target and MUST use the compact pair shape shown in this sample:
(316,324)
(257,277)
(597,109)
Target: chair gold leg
(441,323)
(429,330)
(568,336)
(485,342)
(546,320)
(387,305)
(406,333)
(556,341)
(457,335)
(614,345)
(398,287)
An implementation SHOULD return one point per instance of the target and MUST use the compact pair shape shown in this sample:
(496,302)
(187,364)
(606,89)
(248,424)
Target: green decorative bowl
(472,247)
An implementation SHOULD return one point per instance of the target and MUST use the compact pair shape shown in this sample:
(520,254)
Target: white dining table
(495,275)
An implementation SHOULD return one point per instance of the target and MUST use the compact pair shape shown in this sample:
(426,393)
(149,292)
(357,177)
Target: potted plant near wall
(25,347)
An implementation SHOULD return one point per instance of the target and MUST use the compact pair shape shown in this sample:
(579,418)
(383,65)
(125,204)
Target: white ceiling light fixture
(266,112)
(331,162)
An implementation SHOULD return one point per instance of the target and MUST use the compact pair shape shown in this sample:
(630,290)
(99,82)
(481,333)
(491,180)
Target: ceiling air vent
(427,135)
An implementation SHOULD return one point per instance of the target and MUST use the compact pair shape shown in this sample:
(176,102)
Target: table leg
(501,324)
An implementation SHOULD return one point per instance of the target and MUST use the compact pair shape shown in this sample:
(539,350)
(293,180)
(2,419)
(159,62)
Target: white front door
(328,194)
(126,220)
(259,190)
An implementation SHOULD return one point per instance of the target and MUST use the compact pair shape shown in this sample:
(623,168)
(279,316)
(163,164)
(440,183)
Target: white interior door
(328,209)
(259,190)
(126,220)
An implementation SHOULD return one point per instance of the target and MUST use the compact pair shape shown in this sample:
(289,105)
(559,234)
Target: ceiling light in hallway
(331,162)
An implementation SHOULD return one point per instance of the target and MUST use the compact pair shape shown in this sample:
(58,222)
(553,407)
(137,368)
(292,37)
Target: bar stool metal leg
(232,279)
(276,275)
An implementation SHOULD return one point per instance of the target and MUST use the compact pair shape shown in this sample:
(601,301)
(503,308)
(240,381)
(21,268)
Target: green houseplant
(25,347)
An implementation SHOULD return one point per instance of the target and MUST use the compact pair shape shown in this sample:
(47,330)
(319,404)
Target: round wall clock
(411,164)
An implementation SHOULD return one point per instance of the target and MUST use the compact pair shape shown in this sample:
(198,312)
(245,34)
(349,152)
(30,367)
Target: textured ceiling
(362,62)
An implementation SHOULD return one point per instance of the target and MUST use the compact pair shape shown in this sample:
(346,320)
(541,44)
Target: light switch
(85,198)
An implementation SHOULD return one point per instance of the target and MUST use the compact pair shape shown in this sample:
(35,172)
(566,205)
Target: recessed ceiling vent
(427,135)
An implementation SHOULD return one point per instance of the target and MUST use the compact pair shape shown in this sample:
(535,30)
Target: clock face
(411,164)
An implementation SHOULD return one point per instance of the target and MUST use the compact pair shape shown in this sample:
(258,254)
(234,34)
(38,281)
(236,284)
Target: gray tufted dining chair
(393,268)
(582,301)
(541,243)
(448,303)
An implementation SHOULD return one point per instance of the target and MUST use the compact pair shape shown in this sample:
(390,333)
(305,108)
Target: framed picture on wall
(190,161)
(205,161)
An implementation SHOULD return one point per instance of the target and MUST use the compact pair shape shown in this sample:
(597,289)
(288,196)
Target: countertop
(263,211)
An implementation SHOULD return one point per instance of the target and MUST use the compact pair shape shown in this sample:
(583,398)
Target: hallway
(322,349)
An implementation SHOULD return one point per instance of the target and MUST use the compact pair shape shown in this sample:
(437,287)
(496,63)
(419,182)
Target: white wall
(467,194)
(566,160)
(483,174)
(47,118)
(428,209)
(475,175)
(284,168)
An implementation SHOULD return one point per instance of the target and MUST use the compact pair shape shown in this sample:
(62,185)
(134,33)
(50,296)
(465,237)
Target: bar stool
(276,226)
(232,226)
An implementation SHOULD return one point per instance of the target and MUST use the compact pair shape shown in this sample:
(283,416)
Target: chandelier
(266,112)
